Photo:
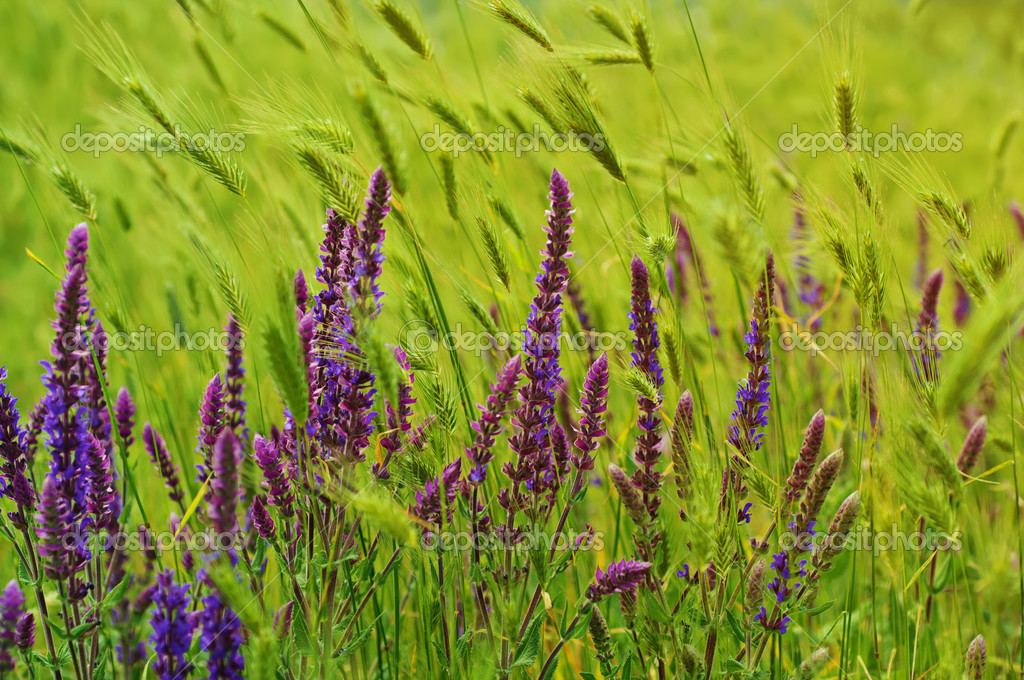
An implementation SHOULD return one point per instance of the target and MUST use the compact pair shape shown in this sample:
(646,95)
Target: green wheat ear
(404,27)
(516,15)
(643,40)
(609,21)
(845,106)
(743,174)
(494,247)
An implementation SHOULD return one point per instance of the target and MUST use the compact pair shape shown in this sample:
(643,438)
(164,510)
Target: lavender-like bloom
(963,304)
(12,603)
(398,416)
(593,404)
(973,445)
(841,525)
(805,460)
(52,528)
(262,520)
(25,632)
(173,628)
(428,501)
(536,412)
(753,398)
(818,488)
(368,251)
(681,440)
(160,457)
(622,577)
(631,500)
(221,637)
(211,422)
(927,326)
(301,292)
(811,291)
(488,426)
(976,659)
(13,462)
(277,479)
(645,358)
(124,416)
(224,489)
(234,407)
(102,502)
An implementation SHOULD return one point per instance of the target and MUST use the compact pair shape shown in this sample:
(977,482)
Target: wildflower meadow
(511,340)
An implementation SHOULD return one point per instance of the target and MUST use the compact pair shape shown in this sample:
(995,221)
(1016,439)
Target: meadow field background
(692,102)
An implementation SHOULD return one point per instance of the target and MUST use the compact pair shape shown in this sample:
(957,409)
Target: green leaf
(735,627)
(529,648)
(304,643)
(580,630)
(358,641)
(821,608)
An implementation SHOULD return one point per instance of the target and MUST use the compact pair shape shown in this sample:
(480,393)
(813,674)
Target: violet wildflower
(25,632)
(593,404)
(841,525)
(753,398)
(926,328)
(805,460)
(631,499)
(973,444)
(173,628)
(261,520)
(301,293)
(645,358)
(429,500)
(681,441)
(536,412)
(52,530)
(221,637)
(488,426)
(124,417)
(963,304)
(12,607)
(810,290)
(779,624)
(13,461)
(621,577)
(223,495)
(102,502)
(368,252)
(398,415)
(234,407)
(158,454)
(818,488)
(277,479)
(976,659)
(211,422)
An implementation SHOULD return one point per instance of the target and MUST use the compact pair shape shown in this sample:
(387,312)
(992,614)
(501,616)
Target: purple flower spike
(593,404)
(13,460)
(158,454)
(368,251)
(124,416)
(301,293)
(977,655)
(753,398)
(818,488)
(624,576)
(536,413)
(277,479)
(398,417)
(224,490)
(101,497)
(645,358)
(173,628)
(973,445)
(211,422)
(12,603)
(926,328)
(234,408)
(262,521)
(25,632)
(807,457)
(222,638)
(488,427)
(52,527)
